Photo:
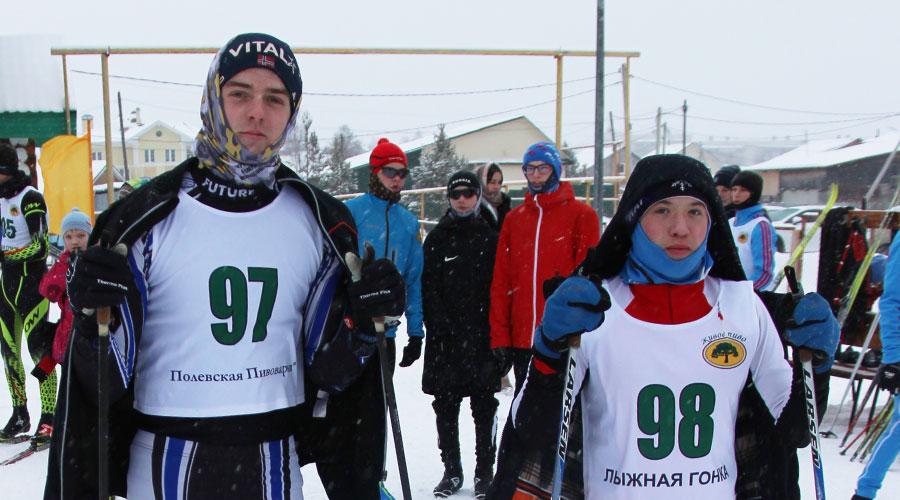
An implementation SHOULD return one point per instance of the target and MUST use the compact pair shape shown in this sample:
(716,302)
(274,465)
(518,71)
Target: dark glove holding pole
(812,326)
(888,377)
(98,277)
(411,352)
(377,289)
(503,357)
(577,306)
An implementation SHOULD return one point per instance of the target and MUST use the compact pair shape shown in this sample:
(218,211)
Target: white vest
(226,292)
(743,240)
(15,229)
(660,401)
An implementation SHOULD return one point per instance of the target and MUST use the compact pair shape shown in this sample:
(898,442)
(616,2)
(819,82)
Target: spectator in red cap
(394,232)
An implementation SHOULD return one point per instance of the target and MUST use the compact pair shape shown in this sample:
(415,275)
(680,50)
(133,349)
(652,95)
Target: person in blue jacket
(888,377)
(753,233)
(393,231)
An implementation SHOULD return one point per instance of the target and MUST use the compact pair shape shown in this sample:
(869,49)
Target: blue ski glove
(812,326)
(575,307)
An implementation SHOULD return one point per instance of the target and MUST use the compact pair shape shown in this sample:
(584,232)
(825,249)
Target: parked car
(786,219)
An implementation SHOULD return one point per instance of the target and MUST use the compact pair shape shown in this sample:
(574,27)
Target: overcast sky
(834,61)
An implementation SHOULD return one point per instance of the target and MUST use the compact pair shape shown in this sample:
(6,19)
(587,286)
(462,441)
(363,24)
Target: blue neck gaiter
(648,264)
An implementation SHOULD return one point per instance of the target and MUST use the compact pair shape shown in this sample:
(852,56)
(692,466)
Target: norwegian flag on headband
(265,61)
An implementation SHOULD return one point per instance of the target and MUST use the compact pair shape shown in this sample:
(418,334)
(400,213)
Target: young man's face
(257,107)
(394,183)
(467,198)
(540,172)
(75,239)
(677,225)
(725,194)
(739,194)
(495,183)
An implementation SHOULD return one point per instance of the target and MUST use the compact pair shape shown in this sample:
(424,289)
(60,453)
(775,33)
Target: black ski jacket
(336,362)
(456,294)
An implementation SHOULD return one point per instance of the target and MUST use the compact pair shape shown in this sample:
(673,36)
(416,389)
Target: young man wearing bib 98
(671,333)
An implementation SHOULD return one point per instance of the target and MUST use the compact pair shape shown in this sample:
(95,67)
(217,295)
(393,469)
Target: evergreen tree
(436,166)
(336,176)
(301,150)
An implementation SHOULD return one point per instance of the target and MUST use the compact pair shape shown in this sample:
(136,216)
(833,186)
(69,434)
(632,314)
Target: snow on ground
(25,480)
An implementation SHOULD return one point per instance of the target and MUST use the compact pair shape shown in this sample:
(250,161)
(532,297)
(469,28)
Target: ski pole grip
(575,341)
(805,355)
(103,313)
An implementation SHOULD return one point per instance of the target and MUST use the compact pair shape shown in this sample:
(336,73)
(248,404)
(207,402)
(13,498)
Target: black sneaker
(19,423)
(450,484)
(481,486)
(41,438)
(872,358)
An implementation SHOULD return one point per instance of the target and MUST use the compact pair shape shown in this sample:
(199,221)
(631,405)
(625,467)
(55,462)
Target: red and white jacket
(546,236)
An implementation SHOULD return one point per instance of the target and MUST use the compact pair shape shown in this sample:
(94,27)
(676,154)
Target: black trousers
(484,412)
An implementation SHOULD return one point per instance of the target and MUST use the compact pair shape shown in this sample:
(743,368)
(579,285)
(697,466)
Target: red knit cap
(386,152)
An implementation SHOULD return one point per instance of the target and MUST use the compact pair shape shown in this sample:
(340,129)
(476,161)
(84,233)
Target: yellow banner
(68,181)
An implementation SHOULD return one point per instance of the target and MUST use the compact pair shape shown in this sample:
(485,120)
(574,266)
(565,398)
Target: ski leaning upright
(832,198)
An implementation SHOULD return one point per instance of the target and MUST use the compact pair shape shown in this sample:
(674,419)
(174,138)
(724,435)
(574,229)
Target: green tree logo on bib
(725,353)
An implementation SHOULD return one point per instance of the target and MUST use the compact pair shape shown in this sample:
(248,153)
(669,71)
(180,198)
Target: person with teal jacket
(393,231)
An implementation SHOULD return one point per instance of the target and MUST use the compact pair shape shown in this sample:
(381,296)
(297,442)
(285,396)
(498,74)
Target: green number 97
(228,299)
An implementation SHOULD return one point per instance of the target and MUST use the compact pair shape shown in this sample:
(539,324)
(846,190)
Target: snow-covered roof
(451,133)
(135,131)
(32,78)
(829,152)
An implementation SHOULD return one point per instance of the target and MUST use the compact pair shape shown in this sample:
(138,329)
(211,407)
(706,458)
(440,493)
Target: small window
(170,155)
(149,156)
(96,155)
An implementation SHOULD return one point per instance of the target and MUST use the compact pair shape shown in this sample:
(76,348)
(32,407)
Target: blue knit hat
(75,220)
(547,153)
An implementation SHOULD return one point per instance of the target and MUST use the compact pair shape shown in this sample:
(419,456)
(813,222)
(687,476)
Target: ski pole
(565,418)
(806,239)
(354,263)
(812,412)
(861,434)
(859,360)
(103,318)
(852,423)
(881,424)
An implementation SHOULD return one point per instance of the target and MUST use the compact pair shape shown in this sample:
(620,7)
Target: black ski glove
(98,277)
(888,377)
(411,352)
(380,290)
(503,356)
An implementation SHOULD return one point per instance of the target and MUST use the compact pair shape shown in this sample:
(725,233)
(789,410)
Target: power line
(356,94)
(744,103)
(722,120)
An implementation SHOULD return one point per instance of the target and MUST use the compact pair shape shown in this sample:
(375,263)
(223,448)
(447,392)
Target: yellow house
(150,149)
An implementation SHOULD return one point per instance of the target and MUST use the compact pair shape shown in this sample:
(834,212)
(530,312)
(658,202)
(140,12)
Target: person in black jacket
(235,317)
(456,282)
(494,203)
(723,179)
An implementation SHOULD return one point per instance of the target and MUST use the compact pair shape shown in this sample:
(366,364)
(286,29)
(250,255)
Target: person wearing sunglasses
(456,286)
(394,232)
(546,236)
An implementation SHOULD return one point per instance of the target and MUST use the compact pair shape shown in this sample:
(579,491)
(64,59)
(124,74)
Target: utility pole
(658,121)
(684,129)
(122,132)
(598,118)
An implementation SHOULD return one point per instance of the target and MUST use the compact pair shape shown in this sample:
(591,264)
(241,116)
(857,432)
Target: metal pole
(598,118)
(66,92)
(110,178)
(658,122)
(881,173)
(122,132)
(559,85)
(684,129)
(626,85)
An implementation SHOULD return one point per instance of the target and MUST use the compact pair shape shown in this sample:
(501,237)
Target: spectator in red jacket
(546,236)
